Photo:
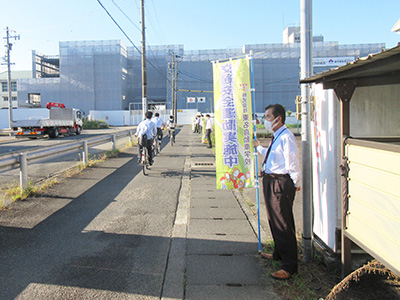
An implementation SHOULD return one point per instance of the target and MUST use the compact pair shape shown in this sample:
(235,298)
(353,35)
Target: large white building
(106,75)
(14,86)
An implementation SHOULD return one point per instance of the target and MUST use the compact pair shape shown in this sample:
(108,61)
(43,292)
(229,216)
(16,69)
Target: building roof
(16,75)
(396,27)
(385,65)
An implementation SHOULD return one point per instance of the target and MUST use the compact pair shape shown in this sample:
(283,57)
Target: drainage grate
(204,164)
(234,284)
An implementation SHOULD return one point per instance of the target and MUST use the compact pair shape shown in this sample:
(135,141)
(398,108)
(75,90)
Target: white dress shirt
(159,122)
(284,155)
(146,127)
(209,124)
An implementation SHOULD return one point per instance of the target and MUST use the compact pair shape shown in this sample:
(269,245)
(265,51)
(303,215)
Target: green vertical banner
(233,124)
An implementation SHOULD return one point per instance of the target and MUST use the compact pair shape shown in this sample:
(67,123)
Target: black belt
(275,176)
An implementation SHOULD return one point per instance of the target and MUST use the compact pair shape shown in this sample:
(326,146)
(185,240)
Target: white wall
(375,111)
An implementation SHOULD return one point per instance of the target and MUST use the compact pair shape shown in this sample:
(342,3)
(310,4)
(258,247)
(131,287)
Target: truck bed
(42,123)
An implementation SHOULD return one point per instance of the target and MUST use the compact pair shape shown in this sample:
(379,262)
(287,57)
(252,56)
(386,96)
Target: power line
(120,28)
(133,23)
(194,76)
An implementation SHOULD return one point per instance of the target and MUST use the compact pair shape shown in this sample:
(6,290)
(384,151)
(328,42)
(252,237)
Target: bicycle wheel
(155,150)
(144,160)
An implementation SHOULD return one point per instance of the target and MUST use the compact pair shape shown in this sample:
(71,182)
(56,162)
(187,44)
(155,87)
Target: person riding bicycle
(148,128)
(159,125)
(171,126)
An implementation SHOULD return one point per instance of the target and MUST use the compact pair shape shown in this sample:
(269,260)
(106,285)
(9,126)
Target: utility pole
(173,66)
(144,73)
(306,71)
(176,91)
(172,72)
(9,47)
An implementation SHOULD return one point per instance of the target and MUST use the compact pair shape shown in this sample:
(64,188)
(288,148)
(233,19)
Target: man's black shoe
(151,162)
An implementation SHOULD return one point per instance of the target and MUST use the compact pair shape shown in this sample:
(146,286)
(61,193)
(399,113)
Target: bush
(94,124)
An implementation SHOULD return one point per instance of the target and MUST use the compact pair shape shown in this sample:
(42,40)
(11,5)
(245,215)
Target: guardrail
(23,158)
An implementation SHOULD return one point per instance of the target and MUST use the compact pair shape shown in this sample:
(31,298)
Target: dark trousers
(149,149)
(279,192)
(159,133)
(208,134)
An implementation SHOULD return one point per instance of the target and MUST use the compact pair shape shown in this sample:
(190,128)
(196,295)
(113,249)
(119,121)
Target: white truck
(61,120)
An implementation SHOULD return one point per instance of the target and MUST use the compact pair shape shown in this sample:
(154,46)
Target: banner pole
(253,96)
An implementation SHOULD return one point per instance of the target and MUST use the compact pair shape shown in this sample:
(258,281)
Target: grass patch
(94,124)
(15,193)
(295,288)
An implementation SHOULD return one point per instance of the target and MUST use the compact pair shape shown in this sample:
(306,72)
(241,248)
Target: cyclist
(171,127)
(159,125)
(148,128)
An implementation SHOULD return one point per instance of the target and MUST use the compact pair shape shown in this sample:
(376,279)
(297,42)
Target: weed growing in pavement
(296,287)
(15,193)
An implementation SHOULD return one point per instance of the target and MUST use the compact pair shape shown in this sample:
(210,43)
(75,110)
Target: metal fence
(21,160)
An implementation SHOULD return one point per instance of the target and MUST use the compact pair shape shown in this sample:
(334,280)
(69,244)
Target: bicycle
(156,146)
(144,158)
(171,134)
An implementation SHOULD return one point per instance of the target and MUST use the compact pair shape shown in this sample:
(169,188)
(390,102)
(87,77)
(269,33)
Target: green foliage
(94,124)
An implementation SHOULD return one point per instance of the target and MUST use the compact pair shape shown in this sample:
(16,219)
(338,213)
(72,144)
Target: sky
(196,24)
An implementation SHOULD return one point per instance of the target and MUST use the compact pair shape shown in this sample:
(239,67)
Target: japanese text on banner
(233,130)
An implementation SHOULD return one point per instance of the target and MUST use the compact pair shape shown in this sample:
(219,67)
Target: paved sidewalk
(222,260)
(113,233)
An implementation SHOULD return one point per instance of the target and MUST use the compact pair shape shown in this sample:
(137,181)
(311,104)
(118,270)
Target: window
(34,99)
(5,98)
(13,86)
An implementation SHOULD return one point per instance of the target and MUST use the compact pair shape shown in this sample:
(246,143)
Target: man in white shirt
(171,127)
(159,125)
(209,126)
(149,128)
(281,180)
(198,124)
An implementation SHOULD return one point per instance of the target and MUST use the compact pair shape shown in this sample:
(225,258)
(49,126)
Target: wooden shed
(369,94)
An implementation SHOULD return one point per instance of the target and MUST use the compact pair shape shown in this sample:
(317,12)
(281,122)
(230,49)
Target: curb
(174,282)
(250,214)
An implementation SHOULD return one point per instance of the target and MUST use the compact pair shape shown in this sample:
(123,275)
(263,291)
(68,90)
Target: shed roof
(383,64)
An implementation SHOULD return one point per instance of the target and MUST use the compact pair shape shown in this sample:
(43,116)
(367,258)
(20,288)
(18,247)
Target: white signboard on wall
(326,161)
(332,61)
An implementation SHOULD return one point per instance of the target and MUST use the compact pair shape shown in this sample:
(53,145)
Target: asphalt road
(39,169)
(104,234)
(12,144)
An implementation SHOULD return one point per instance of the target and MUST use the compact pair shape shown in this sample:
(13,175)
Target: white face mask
(268,124)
